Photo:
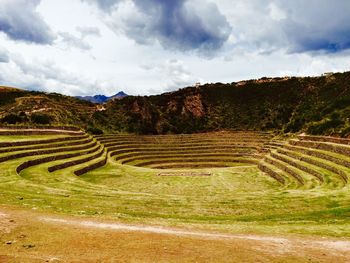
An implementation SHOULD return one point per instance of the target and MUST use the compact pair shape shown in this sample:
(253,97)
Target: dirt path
(27,236)
(160,230)
(324,244)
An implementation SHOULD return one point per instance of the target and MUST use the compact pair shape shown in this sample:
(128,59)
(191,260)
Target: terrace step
(47,151)
(182,142)
(291,171)
(98,152)
(329,156)
(180,145)
(194,165)
(184,148)
(128,159)
(341,171)
(135,152)
(326,146)
(46,146)
(92,166)
(52,158)
(310,172)
(46,141)
(39,132)
(197,162)
(275,173)
(39,127)
(194,150)
(324,139)
(230,134)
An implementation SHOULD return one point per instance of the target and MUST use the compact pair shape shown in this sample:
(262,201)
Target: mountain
(102,98)
(316,105)
(119,95)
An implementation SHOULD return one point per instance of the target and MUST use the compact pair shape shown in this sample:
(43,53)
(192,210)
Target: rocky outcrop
(193,104)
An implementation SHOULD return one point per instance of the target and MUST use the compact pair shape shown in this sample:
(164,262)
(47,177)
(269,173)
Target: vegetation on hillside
(37,108)
(316,105)
(319,105)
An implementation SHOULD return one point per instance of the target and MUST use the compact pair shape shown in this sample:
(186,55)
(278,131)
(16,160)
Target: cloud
(178,24)
(174,75)
(178,75)
(105,5)
(317,25)
(88,31)
(298,26)
(4,57)
(73,41)
(19,20)
(47,76)
(294,26)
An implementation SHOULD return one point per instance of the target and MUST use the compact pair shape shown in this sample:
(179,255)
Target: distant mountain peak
(102,98)
(121,93)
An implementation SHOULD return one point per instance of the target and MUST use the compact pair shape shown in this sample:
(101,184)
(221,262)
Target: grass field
(237,198)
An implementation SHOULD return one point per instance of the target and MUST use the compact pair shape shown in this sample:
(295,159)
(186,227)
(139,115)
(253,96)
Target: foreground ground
(232,200)
(29,236)
(130,213)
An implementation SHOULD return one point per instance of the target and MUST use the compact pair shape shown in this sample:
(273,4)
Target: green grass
(16,138)
(232,199)
(235,200)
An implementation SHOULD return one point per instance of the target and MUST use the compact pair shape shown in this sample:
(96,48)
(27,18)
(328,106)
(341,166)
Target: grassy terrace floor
(17,138)
(237,199)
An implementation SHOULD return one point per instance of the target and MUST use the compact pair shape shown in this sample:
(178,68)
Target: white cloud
(180,24)
(4,57)
(176,75)
(19,20)
(72,41)
(45,75)
(88,31)
(250,39)
(276,13)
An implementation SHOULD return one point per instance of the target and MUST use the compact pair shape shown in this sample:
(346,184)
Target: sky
(144,47)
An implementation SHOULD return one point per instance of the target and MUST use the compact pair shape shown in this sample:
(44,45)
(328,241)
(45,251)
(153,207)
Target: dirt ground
(30,236)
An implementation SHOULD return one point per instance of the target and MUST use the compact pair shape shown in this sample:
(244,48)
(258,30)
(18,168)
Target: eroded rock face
(193,104)
(172,106)
(141,109)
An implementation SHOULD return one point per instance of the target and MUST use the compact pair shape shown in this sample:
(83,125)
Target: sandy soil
(29,236)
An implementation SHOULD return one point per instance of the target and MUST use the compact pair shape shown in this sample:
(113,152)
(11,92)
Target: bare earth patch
(36,237)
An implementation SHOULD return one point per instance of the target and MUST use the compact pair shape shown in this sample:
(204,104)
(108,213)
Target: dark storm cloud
(19,20)
(316,25)
(175,24)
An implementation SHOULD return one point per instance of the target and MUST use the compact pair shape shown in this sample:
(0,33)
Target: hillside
(30,107)
(316,105)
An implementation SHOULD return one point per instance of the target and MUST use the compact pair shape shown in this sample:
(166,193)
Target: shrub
(294,125)
(345,132)
(324,127)
(11,119)
(41,119)
(94,131)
